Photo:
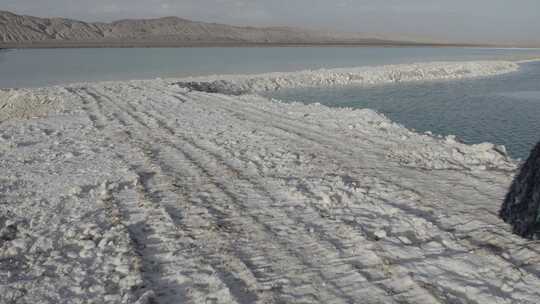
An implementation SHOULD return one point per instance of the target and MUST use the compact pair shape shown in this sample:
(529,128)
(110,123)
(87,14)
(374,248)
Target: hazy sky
(463,20)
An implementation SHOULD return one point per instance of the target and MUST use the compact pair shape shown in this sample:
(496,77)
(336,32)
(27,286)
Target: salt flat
(153,192)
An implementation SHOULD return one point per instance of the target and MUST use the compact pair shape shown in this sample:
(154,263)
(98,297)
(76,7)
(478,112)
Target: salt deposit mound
(240,84)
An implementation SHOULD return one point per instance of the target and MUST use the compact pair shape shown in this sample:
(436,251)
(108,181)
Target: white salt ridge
(144,192)
(354,76)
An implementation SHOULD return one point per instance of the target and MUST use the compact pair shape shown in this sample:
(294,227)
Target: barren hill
(29,31)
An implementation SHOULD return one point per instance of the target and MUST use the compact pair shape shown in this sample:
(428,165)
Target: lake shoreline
(152,173)
(500,109)
(189,44)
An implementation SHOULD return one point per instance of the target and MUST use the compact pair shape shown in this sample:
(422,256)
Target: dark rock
(521,207)
(8,233)
(218,86)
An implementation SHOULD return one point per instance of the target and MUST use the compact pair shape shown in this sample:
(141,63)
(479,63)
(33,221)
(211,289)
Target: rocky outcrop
(521,207)
(27,30)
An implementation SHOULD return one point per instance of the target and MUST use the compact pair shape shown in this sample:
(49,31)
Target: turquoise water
(42,67)
(503,109)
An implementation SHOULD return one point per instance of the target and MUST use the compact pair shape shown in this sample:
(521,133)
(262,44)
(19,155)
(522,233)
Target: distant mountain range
(28,31)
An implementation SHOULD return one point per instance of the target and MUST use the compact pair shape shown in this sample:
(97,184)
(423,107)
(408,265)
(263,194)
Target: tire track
(264,263)
(257,185)
(178,147)
(477,244)
(348,156)
(419,291)
(161,243)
